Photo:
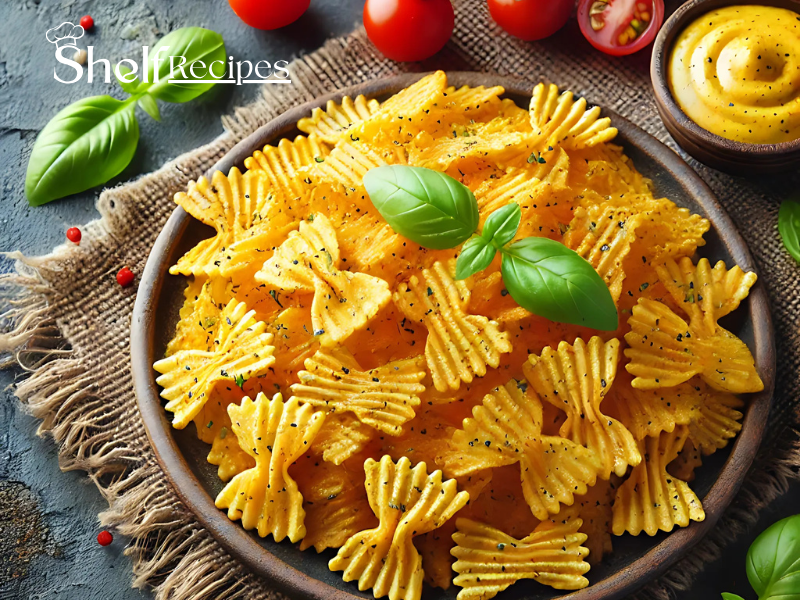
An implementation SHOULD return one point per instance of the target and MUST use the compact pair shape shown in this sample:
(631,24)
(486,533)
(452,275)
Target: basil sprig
(789,227)
(93,140)
(773,562)
(542,275)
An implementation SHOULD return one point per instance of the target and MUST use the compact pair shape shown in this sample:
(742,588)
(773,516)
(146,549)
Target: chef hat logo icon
(65,35)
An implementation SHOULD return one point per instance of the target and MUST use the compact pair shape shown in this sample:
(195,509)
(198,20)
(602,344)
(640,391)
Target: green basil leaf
(194,44)
(428,207)
(501,226)
(552,281)
(150,106)
(476,255)
(129,87)
(789,227)
(729,596)
(83,146)
(773,561)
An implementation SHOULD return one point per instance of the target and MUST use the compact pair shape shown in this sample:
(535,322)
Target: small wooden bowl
(718,152)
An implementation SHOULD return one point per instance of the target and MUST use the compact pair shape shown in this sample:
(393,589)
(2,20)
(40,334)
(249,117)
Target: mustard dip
(736,73)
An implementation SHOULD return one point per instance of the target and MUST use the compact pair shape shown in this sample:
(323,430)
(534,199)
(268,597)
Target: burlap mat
(67,322)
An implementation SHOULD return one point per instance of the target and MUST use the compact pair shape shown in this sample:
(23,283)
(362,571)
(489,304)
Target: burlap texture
(67,322)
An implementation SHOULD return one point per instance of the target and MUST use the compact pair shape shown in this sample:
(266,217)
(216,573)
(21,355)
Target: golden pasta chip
(342,437)
(652,500)
(242,349)
(407,502)
(286,165)
(275,435)
(576,378)
(332,123)
(459,346)
(383,398)
(488,561)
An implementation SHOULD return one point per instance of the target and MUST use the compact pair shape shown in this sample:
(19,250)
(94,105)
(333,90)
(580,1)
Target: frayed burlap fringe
(66,324)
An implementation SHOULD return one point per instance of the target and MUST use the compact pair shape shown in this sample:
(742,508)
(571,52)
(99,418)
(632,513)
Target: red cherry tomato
(530,19)
(125,277)
(409,30)
(620,27)
(74,235)
(269,14)
(104,538)
(87,22)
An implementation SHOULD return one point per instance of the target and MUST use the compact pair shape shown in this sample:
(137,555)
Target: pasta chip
(242,349)
(488,561)
(383,398)
(286,165)
(459,346)
(576,378)
(331,124)
(683,467)
(506,429)
(275,435)
(434,548)
(308,262)
(335,503)
(407,502)
(652,500)
(230,204)
(226,453)
(716,420)
(703,293)
(342,437)
(563,120)
(665,351)
(198,319)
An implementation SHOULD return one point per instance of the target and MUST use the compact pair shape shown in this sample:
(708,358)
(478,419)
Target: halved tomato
(620,27)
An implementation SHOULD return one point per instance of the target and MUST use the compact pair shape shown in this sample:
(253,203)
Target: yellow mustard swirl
(736,72)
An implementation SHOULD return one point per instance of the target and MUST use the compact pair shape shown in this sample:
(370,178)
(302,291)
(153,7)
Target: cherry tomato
(87,22)
(530,19)
(125,277)
(104,538)
(269,14)
(620,27)
(409,30)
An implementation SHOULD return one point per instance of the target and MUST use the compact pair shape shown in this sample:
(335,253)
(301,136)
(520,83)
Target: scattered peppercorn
(104,538)
(87,22)
(74,235)
(125,277)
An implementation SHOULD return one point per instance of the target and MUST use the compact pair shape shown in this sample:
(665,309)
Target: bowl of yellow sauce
(726,77)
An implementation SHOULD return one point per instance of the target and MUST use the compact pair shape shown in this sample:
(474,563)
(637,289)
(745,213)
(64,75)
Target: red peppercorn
(125,277)
(87,22)
(74,235)
(104,538)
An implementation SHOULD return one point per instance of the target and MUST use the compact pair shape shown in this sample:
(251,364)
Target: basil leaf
(789,227)
(84,145)
(150,106)
(729,596)
(476,255)
(552,281)
(428,207)
(194,44)
(501,226)
(773,561)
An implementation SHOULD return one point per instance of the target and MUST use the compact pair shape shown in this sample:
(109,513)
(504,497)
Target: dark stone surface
(57,511)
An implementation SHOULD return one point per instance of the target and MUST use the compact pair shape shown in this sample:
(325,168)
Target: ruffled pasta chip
(242,349)
(198,319)
(594,509)
(226,453)
(308,262)
(665,351)
(335,503)
(332,123)
(488,561)
(576,378)
(652,500)
(287,164)
(683,467)
(563,120)
(506,429)
(407,502)
(703,293)
(275,435)
(716,419)
(383,398)
(603,236)
(342,437)
(230,204)
(459,346)
(434,548)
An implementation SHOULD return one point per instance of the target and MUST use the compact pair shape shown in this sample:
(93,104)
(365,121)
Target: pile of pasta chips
(356,397)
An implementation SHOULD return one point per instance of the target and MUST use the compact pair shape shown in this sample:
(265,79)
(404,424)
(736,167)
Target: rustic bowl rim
(284,577)
(659,61)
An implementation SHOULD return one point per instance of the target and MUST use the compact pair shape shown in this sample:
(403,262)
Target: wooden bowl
(718,152)
(635,561)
